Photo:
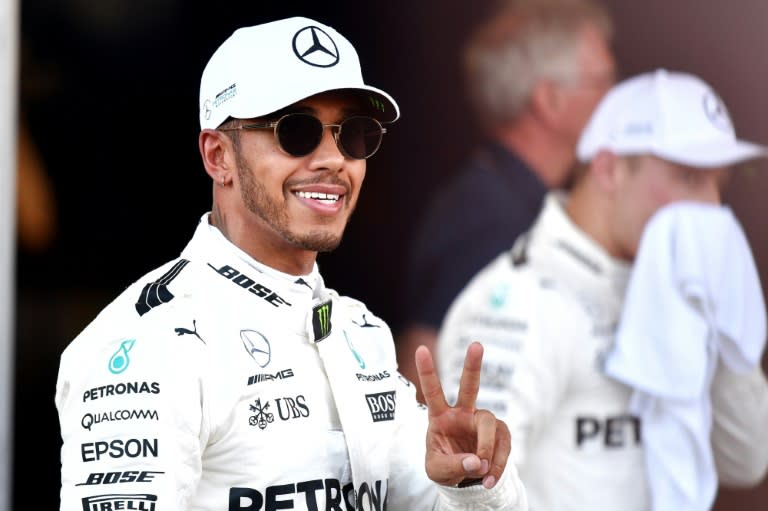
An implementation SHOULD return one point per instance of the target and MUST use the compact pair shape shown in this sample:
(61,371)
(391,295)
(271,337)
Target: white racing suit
(546,312)
(216,383)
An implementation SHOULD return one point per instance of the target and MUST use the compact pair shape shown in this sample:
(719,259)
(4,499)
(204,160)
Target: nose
(328,155)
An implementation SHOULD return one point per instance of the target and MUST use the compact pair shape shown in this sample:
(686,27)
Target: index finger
(470,377)
(429,382)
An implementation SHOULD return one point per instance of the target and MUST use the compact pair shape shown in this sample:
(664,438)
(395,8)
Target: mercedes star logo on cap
(313,46)
(207,108)
(716,111)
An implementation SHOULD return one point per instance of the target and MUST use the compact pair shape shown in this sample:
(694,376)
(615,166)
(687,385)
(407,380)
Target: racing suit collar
(556,242)
(209,239)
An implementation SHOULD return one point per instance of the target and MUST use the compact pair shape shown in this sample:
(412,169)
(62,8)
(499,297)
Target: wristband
(470,482)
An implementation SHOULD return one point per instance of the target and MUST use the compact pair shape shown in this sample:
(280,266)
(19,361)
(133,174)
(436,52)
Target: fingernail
(470,463)
(489,482)
(484,466)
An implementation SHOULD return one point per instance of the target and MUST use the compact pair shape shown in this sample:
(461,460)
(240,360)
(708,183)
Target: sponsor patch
(120,360)
(373,377)
(228,93)
(136,501)
(257,346)
(288,408)
(381,405)
(351,347)
(280,375)
(617,432)
(262,417)
(306,494)
(119,448)
(245,282)
(89,419)
(321,320)
(129,476)
(118,389)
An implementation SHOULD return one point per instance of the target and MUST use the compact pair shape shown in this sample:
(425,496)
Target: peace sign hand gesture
(463,443)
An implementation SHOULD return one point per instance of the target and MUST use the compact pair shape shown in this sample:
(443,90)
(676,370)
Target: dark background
(109,95)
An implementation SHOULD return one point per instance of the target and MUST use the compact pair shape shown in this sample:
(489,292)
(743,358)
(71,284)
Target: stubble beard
(258,201)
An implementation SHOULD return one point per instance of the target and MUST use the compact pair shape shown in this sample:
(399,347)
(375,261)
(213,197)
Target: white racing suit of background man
(202,387)
(546,313)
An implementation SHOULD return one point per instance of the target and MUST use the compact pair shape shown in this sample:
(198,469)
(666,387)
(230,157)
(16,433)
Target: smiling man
(231,377)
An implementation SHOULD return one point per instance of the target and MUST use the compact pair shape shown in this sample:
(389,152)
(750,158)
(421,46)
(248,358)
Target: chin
(319,241)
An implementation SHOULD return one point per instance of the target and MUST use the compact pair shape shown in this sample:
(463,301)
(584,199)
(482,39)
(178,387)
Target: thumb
(450,469)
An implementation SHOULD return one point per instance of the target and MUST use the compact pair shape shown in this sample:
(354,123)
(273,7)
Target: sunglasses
(299,134)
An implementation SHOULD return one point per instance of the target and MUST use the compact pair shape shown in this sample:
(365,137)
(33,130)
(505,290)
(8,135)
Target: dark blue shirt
(473,217)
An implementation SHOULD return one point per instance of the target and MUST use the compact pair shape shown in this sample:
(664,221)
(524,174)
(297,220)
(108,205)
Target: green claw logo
(321,320)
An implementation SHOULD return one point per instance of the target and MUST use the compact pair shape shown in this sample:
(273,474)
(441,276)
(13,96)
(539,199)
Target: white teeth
(327,198)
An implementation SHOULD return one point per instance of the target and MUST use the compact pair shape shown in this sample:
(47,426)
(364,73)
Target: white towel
(694,295)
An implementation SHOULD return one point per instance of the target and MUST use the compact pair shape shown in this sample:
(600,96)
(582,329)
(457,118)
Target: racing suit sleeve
(132,409)
(740,415)
(411,489)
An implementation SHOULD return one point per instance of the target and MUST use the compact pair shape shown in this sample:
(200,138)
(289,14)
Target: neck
(541,149)
(271,250)
(590,211)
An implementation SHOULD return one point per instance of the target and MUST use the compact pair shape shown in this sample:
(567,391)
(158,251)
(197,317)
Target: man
(547,311)
(534,72)
(231,378)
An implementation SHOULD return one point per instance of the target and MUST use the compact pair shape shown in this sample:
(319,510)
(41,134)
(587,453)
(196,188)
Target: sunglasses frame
(275,126)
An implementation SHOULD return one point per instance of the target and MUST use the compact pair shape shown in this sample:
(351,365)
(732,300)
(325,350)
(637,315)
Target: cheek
(356,177)
(659,193)
(641,200)
(651,198)
(634,221)
(270,182)
(586,105)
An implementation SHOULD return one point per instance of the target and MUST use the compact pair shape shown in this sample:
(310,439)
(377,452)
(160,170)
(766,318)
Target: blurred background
(114,186)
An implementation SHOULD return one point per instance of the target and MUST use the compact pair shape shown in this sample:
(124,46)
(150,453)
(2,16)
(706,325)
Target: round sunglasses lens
(360,137)
(299,134)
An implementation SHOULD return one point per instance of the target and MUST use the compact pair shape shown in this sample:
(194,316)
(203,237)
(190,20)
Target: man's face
(597,73)
(299,203)
(646,183)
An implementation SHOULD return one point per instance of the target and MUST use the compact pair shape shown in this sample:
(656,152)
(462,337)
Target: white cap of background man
(261,69)
(671,115)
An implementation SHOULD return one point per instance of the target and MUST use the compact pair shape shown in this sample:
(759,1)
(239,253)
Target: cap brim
(375,102)
(381,105)
(719,154)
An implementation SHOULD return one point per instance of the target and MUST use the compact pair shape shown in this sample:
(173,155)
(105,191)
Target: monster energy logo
(321,320)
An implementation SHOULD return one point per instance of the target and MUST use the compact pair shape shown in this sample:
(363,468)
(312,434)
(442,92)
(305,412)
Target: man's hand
(463,443)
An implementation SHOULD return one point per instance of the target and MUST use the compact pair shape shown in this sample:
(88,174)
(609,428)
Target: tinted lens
(299,134)
(360,137)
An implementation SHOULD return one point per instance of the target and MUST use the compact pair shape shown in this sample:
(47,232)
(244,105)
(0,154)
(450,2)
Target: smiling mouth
(325,198)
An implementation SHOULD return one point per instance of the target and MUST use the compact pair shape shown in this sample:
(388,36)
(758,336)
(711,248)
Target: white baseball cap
(674,116)
(261,69)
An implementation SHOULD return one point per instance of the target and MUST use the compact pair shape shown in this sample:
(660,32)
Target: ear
(217,152)
(545,102)
(605,170)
